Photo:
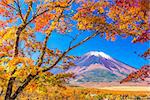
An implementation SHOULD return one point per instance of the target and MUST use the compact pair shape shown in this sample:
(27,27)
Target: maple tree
(20,20)
(133,16)
(142,74)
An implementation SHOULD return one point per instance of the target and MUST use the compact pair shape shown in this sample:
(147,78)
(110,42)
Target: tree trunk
(20,89)
(9,89)
(12,79)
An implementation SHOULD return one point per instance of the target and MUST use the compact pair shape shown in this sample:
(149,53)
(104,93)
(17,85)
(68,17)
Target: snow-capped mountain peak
(98,66)
(98,54)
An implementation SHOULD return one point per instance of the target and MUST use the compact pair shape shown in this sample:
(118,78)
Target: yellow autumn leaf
(34,69)
(101,9)
(9,1)
(9,33)
(1,68)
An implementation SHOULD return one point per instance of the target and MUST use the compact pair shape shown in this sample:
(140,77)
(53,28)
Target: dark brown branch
(28,12)
(40,60)
(12,79)
(10,6)
(36,15)
(30,77)
(19,10)
(73,39)
(20,29)
(25,83)
(78,44)
(9,88)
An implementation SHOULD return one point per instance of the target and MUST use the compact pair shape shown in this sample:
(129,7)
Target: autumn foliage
(141,74)
(22,20)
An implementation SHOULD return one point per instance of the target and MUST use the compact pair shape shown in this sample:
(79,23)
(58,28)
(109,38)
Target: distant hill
(99,67)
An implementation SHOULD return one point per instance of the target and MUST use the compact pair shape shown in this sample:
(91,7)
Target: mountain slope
(99,67)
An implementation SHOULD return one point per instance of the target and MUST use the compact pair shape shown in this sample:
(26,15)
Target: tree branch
(30,77)
(10,6)
(78,44)
(25,83)
(19,10)
(36,15)
(40,60)
(73,39)
(28,12)
(12,79)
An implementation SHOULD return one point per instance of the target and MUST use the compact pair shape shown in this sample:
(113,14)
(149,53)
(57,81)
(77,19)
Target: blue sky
(121,49)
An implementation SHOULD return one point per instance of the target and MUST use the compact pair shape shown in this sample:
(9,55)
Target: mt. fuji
(97,66)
